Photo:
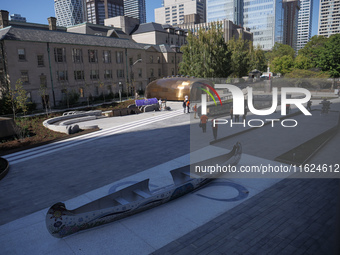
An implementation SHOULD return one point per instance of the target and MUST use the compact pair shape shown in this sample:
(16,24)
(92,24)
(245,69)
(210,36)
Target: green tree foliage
(21,99)
(312,50)
(329,56)
(280,50)
(282,64)
(206,55)
(258,59)
(240,57)
(303,62)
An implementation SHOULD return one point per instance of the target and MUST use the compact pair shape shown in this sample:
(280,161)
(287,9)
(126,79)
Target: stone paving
(294,216)
(287,218)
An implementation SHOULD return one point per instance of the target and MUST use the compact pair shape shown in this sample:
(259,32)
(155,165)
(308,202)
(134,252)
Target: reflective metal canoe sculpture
(133,199)
(176,88)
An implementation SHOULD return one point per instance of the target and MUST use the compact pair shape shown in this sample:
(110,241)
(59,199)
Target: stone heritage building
(85,59)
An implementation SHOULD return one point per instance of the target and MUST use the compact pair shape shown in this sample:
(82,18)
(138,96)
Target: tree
(303,62)
(44,97)
(240,57)
(22,97)
(206,55)
(280,50)
(311,51)
(329,56)
(258,58)
(11,102)
(282,65)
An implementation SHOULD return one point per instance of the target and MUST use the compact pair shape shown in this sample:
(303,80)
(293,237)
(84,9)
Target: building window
(131,61)
(140,72)
(158,59)
(139,56)
(40,59)
(60,55)
(21,54)
(107,56)
(43,81)
(81,92)
(62,76)
(96,90)
(94,74)
(109,89)
(151,72)
(172,71)
(79,75)
(159,72)
(77,55)
(120,73)
(151,59)
(119,57)
(172,59)
(24,77)
(93,56)
(107,74)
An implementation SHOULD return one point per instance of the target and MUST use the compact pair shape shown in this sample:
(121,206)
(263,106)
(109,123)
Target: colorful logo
(211,95)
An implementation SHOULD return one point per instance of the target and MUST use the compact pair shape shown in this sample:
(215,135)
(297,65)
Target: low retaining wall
(64,124)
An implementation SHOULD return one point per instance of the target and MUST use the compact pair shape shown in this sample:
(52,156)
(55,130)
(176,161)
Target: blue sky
(38,11)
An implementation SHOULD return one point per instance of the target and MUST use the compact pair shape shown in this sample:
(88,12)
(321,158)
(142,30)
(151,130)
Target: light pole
(120,91)
(132,75)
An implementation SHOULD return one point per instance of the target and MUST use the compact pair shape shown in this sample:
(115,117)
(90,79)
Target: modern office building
(17,17)
(69,12)
(98,10)
(290,21)
(329,17)
(230,30)
(304,23)
(265,20)
(225,9)
(173,11)
(135,9)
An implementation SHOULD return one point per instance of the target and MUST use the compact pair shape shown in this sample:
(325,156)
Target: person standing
(309,105)
(160,104)
(203,123)
(195,111)
(184,105)
(188,106)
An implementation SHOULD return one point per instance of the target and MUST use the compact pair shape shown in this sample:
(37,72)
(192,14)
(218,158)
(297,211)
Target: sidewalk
(290,216)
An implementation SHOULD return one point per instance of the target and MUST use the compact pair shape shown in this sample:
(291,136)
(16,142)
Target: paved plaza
(228,216)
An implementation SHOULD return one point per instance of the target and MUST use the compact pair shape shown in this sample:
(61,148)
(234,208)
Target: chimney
(52,23)
(4,22)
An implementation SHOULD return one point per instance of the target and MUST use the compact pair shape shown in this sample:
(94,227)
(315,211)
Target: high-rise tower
(135,9)
(69,12)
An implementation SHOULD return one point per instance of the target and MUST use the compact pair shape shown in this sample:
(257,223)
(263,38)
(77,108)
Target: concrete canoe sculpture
(133,199)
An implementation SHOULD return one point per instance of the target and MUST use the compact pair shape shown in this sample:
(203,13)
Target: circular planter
(4,167)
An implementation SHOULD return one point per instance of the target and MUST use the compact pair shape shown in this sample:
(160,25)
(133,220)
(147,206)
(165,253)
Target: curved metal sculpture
(176,88)
(133,199)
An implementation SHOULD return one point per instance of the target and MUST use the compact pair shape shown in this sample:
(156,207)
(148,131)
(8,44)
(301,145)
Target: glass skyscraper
(135,9)
(265,20)
(98,10)
(69,12)
(304,23)
(225,9)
